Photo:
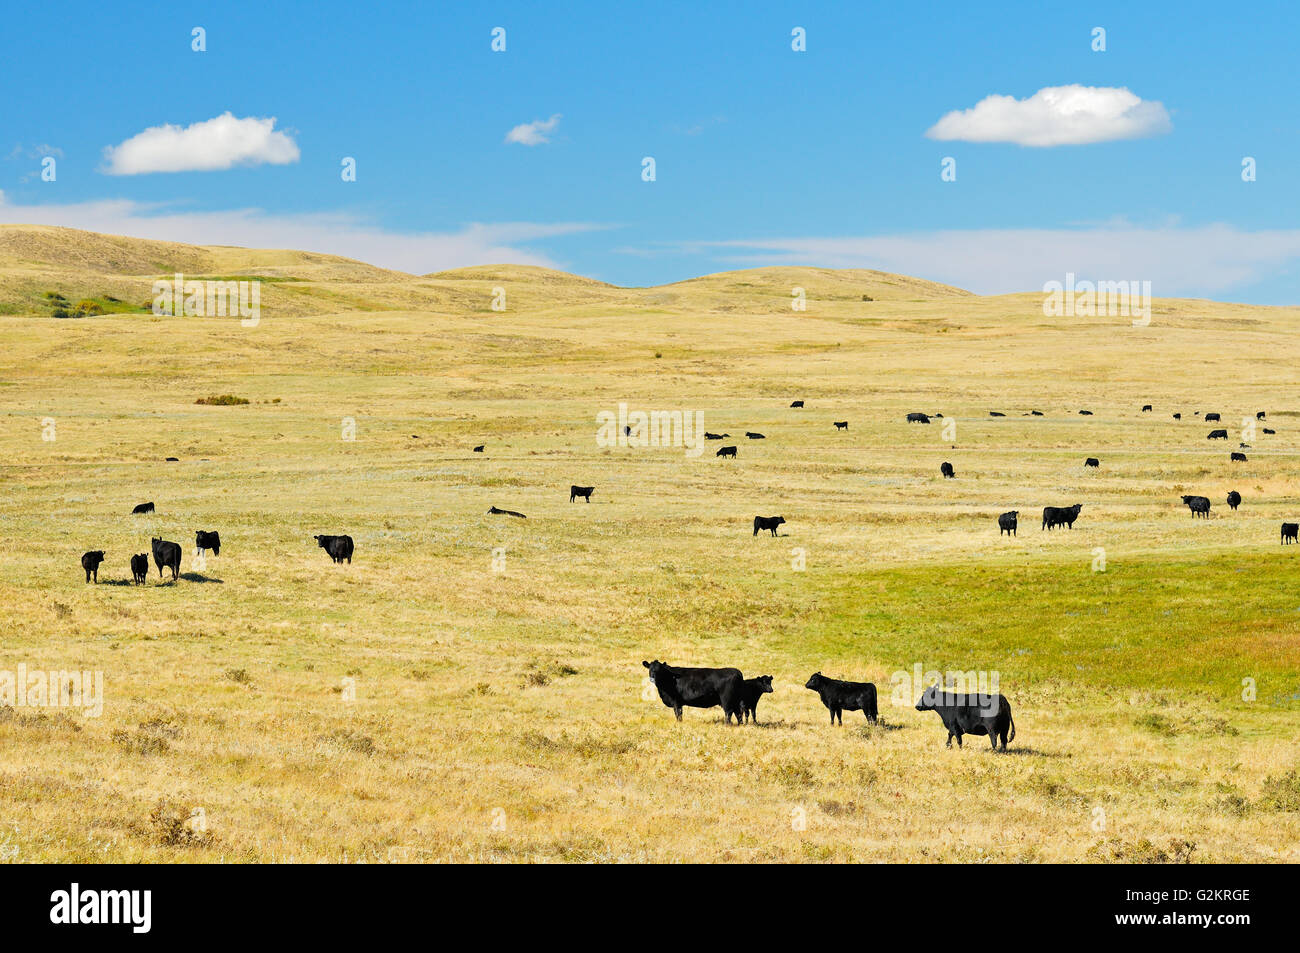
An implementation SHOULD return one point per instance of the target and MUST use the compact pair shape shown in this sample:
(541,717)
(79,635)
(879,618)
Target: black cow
(1210,417)
(338,547)
(754,436)
(1007,523)
(946,469)
(752,689)
(995,413)
(1092,462)
(971,714)
(167,554)
(140,568)
(1217,435)
(1054,516)
(172,460)
(1145,408)
(715,436)
(479,448)
(1035,413)
(581,491)
(1260,415)
(726,452)
(1234,499)
(699,688)
(492,510)
(797,403)
(767,522)
(143,508)
(840,697)
(1235,457)
(841,425)
(1266,430)
(917,419)
(1086,413)
(90,562)
(1198,504)
(204,541)
(1178,416)
(1289,531)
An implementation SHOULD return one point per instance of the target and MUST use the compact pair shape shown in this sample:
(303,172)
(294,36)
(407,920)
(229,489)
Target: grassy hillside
(500,709)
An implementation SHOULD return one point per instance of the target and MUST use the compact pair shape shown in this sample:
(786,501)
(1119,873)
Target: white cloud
(533,133)
(214,144)
(334,233)
(1178,261)
(1056,116)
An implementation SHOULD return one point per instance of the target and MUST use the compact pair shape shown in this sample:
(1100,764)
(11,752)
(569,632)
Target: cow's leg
(839,713)
(832,710)
(959,739)
(677,710)
(949,744)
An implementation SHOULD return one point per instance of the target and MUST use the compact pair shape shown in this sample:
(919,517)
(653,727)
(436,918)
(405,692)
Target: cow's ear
(645,663)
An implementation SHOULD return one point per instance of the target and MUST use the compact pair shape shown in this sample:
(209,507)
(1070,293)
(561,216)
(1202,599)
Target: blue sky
(764,155)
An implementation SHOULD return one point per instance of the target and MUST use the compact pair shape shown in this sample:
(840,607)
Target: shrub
(224,400)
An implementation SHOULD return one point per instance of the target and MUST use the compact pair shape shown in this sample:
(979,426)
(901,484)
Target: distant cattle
(1210,417)
(797,403)
(627,430)
(767,522)
(1234,499)
(751,691)
(143,508)
(726,452)
(1145,408)
(841,425)
(1092,462)
(167,554)
(493,511)
(204,541)
(172,460)
(1054,516)
(1289,531)
(715,436)
(1260,415)
(90,562)
(1007,523)
(1199,505)
(937,416)
(996,413)
(479,448)
(699,688)
(839,696)
(946,469)
(918,419)
(339,548)
(1178,416)
(754,436)
(971,714)
(1035,413)
(581,491)
(1267,430)
(1235,457)
(1217,435)
(1086,413)
(140,568)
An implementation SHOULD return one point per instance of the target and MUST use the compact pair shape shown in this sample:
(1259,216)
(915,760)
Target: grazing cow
(479,448)
(167,554)
(1260,415)
(172,460)
(1054,516)
(1244,446)
(338,547)
(752,689)
(140,568)
(1289,531)
(1198,505)
(1145,408)
(937,416)
(715,436)
(1266,430)
(143,508)
(754,436)
(90,562)
(699,688)
(726,452)
(1178,416)
(918,419)
(1234,499)
(492,510)
(840,697)
(1092,462)
(1007,523)
(212,541)
(1035,413)
(1217,435)
(1086,413)
(841,425)
(971,714)
(1235,457)
(767,522)
(1209,417)
(581,491)
(797,403)
(946,469)
(996,413)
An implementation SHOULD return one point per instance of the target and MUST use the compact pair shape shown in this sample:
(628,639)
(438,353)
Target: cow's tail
(1012,737)
(874,712)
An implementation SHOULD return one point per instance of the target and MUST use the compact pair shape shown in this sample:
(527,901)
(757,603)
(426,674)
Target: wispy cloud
(336,233)
(534,133)
(215,144)
(1056,116)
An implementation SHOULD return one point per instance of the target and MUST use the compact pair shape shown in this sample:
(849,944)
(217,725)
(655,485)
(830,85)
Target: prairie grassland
(500,708)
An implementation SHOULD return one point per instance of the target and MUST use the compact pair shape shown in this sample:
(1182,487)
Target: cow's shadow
(117,582)
(198,577)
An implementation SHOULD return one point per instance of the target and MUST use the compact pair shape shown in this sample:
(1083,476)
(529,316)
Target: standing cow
(140,568)
(1054,516)
(699,688)
(839,696)
(90,562)
(340,547)
(167,554)
(946,469)
(1289,531)
(971,714)
(205,541)
(581,491)
(1007,523)
(1199,505)
(1234,499)
(754,689)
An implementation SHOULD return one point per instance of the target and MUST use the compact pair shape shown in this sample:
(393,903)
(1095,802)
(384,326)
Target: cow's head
(655,668)
(929,699)
(814,681)
(764,684)
(320,541)
(96,556)
(1014,513)
(780,520)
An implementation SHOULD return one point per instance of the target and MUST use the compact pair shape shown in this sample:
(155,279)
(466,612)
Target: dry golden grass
(502,715)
